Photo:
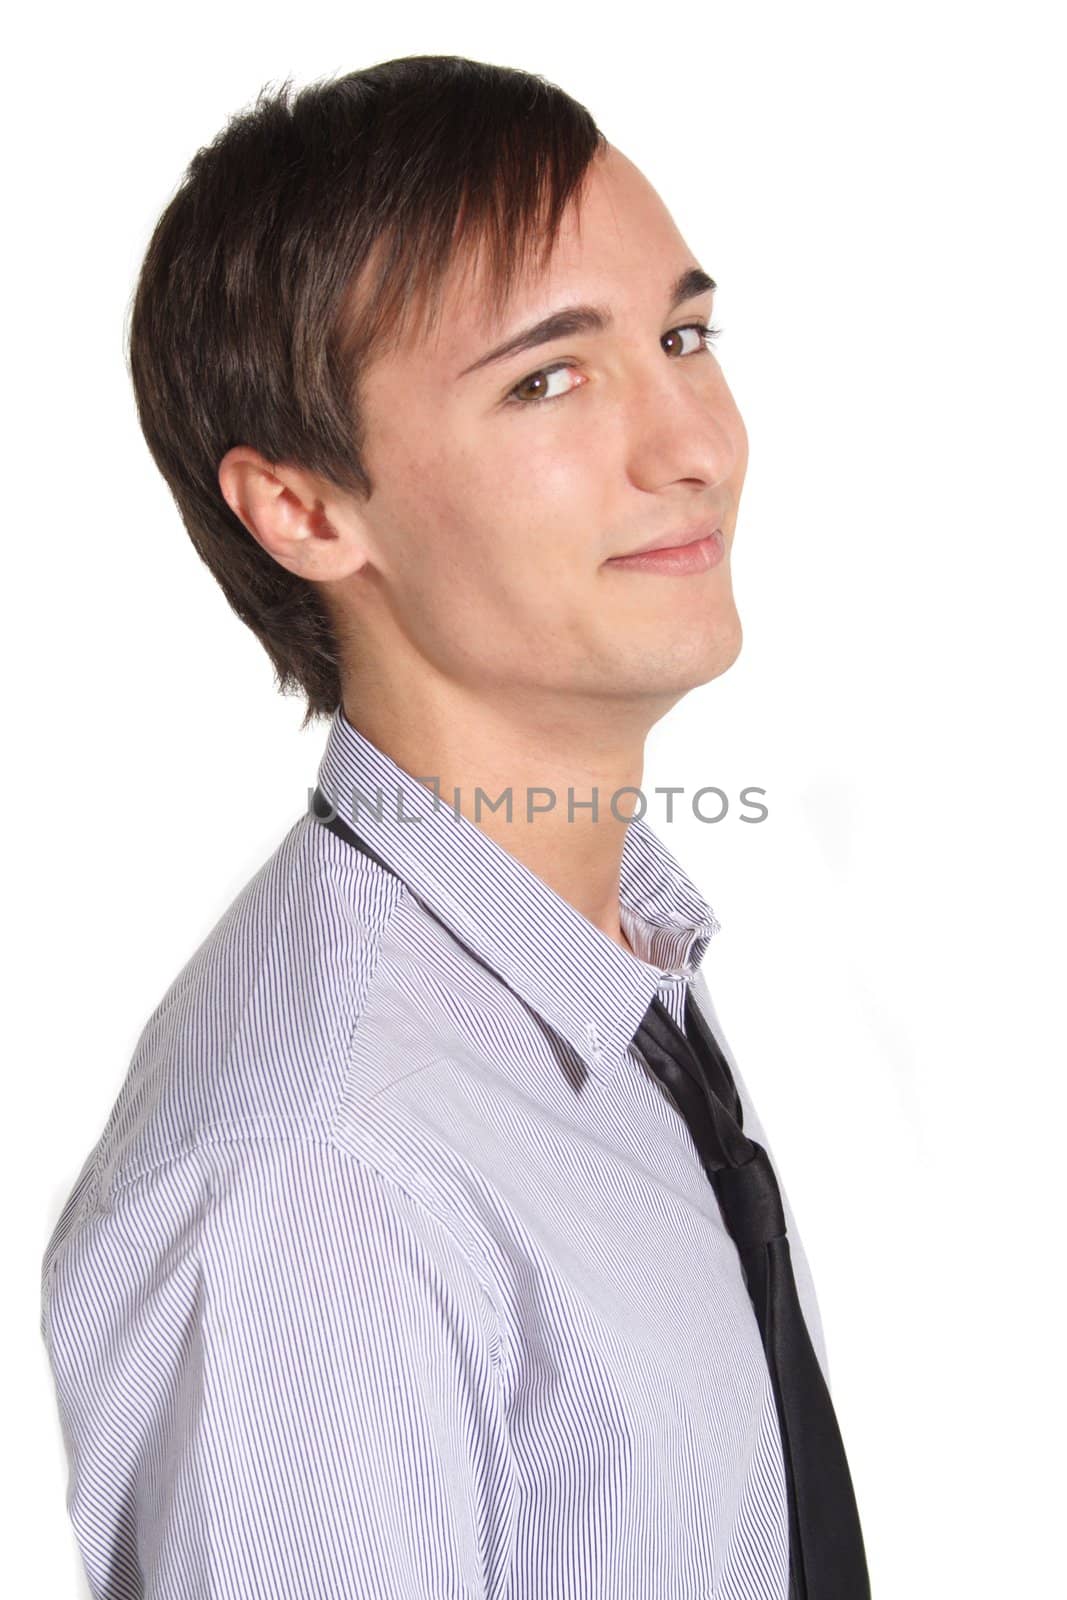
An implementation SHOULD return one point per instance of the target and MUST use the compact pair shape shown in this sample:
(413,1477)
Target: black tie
(826,1555)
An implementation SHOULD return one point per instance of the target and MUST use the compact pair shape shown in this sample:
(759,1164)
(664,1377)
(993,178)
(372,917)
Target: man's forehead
(592,258)
(616,245)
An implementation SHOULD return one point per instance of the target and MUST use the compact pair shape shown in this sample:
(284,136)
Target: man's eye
(706,332)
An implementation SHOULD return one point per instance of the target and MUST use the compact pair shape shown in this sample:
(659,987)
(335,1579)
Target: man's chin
(719,650)
(681,667)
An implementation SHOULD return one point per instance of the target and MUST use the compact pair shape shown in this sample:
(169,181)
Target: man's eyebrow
(585,319)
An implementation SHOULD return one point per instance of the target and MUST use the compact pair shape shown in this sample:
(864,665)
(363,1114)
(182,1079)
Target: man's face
(495,510)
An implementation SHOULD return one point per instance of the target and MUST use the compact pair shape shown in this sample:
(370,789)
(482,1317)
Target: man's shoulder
(252,1035)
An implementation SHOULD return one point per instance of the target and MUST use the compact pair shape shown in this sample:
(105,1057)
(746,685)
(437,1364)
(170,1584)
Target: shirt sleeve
(276,1375)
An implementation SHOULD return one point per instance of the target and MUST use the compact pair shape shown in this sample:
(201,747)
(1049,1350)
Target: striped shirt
(395,1273)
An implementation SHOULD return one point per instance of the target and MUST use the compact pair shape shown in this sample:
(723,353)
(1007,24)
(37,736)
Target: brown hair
(245,326)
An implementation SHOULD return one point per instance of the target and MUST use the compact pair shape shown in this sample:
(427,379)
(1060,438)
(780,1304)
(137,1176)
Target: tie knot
(750,1200)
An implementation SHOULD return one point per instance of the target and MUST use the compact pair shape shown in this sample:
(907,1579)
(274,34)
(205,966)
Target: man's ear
(283,508)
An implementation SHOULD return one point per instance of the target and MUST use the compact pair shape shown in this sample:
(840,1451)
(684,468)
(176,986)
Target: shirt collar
(598,993)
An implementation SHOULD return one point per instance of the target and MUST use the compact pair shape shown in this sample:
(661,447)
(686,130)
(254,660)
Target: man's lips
(673,541)
(675,561)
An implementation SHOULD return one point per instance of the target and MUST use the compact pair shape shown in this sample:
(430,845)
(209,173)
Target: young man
(397,1270)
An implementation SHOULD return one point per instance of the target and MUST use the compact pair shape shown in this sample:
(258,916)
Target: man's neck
(551,775)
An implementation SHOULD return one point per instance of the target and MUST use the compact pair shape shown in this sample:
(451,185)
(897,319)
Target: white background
(878,192)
